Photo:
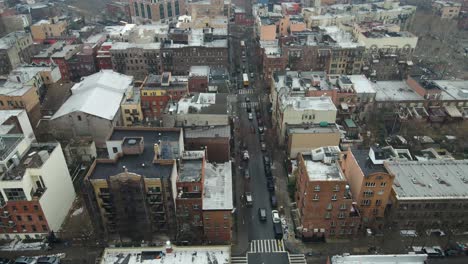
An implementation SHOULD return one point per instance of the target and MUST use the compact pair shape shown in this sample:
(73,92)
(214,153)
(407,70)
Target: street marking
(252,104)
(266,246)
(246,91)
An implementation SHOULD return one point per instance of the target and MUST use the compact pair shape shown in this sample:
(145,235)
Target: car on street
(266,160)
(262,214)
(247,99)
(275,216)
(273,201)
(263,146)
(434,252)
(48,260)
(250,116)
(245,155)
(251,75)
(436,232)
(271,186)
(262,138)
(248,199)
(261,129)
(246,173)
(278,229)
(249,108)
(25,260)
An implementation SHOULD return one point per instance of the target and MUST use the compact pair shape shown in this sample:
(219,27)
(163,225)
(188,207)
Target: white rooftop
(9,40)
(217,191)
(432,179)
(343,39)
(99,94)
(361,84)
(453,90)
(199,71)
(394,91)
(380,259)
(127,45)
(322,164)
(203,100)
(158,255)
(322,103)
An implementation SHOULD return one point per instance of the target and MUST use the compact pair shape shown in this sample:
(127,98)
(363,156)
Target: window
(161,11)
(341,215)
(343,207)
(14,208)
(337,188)
(18,217)
(127,111)
(44,228)
(343,223)
(329,206)
(375,211)
(29,217)
(370,184)
(41,218)
(176,7)
(327,215)
(378,202)
(142,9)
(332,223)
(383,184)
(79,118)
(169,9)
(148,12)
(333,197)
(36,208)
(14,194)
(196,207)
(195,188)
(316,197)
(332,232)
(33,227)
(225,216)
(317,188)
(365,202)
(368,193)
(115,149)
(23,227)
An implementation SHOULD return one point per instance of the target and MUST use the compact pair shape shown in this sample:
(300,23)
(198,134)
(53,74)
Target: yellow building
(48,28)
(131,108)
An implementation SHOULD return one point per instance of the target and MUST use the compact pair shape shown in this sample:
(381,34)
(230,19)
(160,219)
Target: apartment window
(127,111)
(383,184)
(327,215)
(196,207)
(29,217)
(370,184)
(341,215)
(337,188)
(14,208)
(169,9)
(316,197)
(15,194)
(115,149)
(33,227)
(378,202)
(333,197)
(375,211)
(368,193)
(23,227)
(332,223)
(44,228)
(79,118)
(148,12)
(342,231)
(18,218)
(176,7)
(342,223)
(195,188)
(343,207)
(161,11)
(1,103)
(332,232)
(329,206)
(366,202)
(41,218)
(36,208)
(317,188)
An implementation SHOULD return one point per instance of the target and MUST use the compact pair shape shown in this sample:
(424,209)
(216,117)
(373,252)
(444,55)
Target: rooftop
(312,129)
(453,90)
(365,163)
(158,255)
(127,45)
(203,103)
(322,164)
(384,259)
(66,51)
(208,132)
(299,82)
(395,91)
(9,40)
(35,157)
(361,84)
(323,103)
(165,81)
(432,179)
(340,37)
(199,71)
(87,96)
(167,139)
(191,170)
(217,190)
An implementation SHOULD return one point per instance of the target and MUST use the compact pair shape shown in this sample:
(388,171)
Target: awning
(344,106)
(452,111)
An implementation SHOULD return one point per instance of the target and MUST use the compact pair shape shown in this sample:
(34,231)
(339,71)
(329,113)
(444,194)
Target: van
(278,230)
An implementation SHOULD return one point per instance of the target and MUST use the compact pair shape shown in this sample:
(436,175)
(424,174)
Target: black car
(274,201)
(267,169)
(262,214)
(271,186)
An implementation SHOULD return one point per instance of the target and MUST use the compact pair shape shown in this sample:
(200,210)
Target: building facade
(15,49)
(149,10)
(44,29)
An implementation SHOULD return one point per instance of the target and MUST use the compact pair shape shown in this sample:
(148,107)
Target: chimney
(168,247)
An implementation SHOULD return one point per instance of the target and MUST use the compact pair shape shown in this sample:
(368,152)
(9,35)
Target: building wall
(201,120)
(267,32)
(321,216)
(43,31)
(294,117)
(28,101)
(59,184)
(218,149)
(217,226)
(131,113)
(159,11)
(21,227)
(137,62)
(302,142)
(179,60)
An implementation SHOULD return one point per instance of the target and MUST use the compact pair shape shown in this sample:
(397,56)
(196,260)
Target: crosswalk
(246,91)
(252,104)
(239,260)
(297,259)
(266,246)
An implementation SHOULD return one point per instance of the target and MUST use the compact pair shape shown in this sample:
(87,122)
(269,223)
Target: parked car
(262,138)
(48,260)
(262,214)
(263,146)
(247,99)
(249,108)
(246,173)
(434,252)
(436,232)
(273,201)
(248,199)
(250,116)
(260,129)
(25,260)
(275,216)
(271,186)
(266,160)
(278,229)
(245,155)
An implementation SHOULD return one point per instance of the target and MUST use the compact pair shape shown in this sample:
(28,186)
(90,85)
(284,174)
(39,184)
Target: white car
(275,217)
(250,116)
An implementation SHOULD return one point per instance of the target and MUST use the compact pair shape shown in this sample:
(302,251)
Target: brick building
(137,60)
(323,197)
(198,79)
(146,10)
(159,90)
(216,141)
(103,57)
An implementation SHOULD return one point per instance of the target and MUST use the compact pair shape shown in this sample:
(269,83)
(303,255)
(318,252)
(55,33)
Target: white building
(36,190)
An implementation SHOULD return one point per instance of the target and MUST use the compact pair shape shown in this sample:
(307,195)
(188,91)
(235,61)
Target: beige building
(302,138)
(384,36)
(207,8)
(292,110)
(131,108)
(48,28)
(446,9)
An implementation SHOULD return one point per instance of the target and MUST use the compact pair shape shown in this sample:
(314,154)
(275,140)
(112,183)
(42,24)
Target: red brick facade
(23,217)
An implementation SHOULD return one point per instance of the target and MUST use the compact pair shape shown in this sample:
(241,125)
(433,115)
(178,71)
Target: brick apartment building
(137,60)
(158,90)
(215,139)
(323,197)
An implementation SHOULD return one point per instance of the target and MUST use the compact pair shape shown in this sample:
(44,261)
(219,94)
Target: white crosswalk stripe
(239,260)
(297,259)
(246,91)
(266,245)
(252,104)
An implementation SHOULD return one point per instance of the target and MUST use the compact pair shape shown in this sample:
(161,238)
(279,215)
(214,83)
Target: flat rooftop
(9,40)
(312,129)
(453,90)
(322,164)
(365,163)
(217,191)
(323,103)
(190,170)
(158,255)
(168,140)
(208,132)
(203,103)
(395,91)
(384,259)
(361,84)
(427,180)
